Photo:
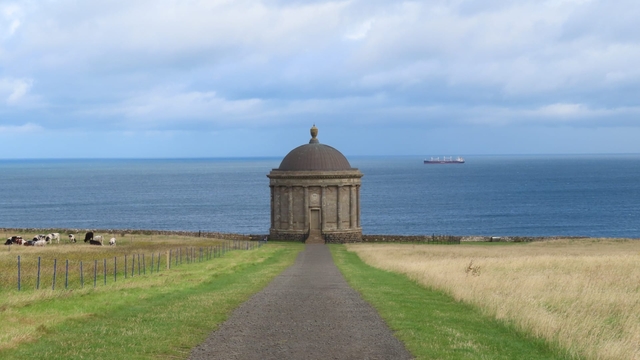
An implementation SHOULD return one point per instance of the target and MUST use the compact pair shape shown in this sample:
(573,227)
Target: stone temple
(315,196)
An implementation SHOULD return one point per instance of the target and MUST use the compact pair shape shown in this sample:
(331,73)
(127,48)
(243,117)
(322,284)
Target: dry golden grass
(583,295)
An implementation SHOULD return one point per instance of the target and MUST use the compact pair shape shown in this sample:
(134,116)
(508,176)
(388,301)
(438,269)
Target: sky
(189,78)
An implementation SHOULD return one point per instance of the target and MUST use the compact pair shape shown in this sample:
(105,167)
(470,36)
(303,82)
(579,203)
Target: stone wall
(516,238)
(412,239)
(342,238)
(330,238)
(123,232)
(287,237)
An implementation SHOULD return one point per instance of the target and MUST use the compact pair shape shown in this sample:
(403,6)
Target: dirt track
(308,312)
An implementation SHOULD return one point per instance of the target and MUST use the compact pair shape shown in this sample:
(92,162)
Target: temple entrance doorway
(315,228)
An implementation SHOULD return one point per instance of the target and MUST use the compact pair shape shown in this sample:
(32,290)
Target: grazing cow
(95,242)
(14,240)
(72,238)
(40,243)
(29,243)
(112,241)
(98,238)
(40,237)
(53,236)
(88,236)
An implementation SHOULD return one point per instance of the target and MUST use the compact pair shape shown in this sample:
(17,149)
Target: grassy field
(580,295)
(154,316)
(147,247)
(433,325)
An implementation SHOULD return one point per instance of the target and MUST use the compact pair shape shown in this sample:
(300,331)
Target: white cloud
(129,34)
(9,19)
(360,31)
(251,62)
(20,129)
(175,107)
(563,110)
(14,90)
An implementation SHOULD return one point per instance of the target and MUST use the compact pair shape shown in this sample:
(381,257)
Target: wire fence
(32,273)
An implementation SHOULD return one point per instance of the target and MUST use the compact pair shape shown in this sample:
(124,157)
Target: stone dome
(314,157)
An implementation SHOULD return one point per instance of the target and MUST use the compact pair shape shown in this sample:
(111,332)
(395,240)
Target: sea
(542,195)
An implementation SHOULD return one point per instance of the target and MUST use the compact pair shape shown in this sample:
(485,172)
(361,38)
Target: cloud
(175,107)
(14,90)
(160,33)
(360,31)
(20,129)
(10,20)
(167,65)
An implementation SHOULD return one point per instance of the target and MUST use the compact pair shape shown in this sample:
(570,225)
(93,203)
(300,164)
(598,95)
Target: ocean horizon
(592,195)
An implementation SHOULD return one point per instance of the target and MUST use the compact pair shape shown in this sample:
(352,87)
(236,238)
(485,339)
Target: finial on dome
(314,133)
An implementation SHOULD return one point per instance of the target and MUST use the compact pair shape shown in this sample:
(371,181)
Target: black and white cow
(53,236)
(14,240)
(97,240)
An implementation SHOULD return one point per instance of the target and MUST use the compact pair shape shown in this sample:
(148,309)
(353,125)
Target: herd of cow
(42,239)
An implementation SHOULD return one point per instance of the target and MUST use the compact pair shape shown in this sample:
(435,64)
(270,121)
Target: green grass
(152,317)
(130,245)
(431,324)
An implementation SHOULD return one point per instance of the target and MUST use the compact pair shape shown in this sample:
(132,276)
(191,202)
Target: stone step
(315,237)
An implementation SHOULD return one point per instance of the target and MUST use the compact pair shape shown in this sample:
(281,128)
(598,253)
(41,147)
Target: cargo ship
(445,160)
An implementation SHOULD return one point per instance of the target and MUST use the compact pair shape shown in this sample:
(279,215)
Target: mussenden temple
(315,196)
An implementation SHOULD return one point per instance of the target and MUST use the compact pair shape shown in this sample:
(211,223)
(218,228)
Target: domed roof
(314,157)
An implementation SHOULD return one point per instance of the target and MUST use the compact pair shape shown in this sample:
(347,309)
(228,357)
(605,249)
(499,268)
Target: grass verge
(433,325)
(157,317)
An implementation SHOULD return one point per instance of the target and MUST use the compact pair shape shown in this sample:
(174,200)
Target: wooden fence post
(38,277)
(55,268)
(95,272)
(81,275)
(115,268)
(19,273)
(66,275)
(105,270)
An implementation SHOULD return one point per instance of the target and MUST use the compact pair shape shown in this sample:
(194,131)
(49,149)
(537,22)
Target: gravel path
(308,312)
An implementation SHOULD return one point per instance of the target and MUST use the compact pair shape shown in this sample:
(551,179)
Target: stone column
(306,208)
(352,207)
(290,191)
(358,204)
(276,210)
(338,205)
(322,208)
(272,204)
